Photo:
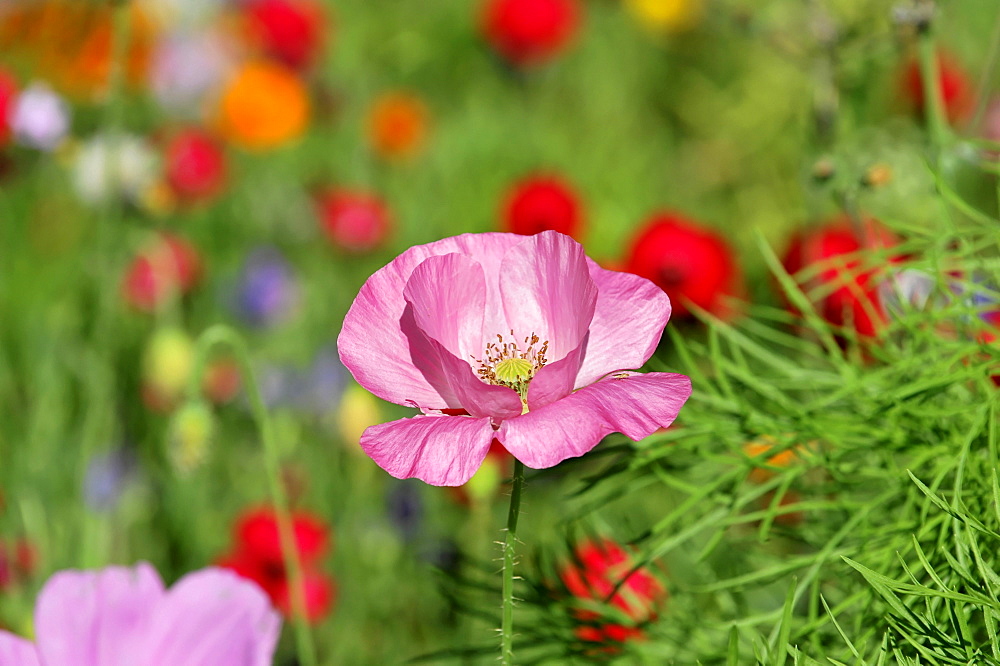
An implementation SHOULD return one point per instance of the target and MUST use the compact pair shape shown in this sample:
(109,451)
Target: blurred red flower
(257,556)
(691,263)
(195,165)
(18,561)
(854,297)
(529,32)
(290,31)
(169,265)
(591,576)
(957,88)
(540,203)
(354,220)
(8,95)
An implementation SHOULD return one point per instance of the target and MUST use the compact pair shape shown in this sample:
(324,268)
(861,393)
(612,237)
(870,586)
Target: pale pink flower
(525,337)
(121,616)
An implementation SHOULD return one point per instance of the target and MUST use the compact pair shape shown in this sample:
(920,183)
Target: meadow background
(828,495)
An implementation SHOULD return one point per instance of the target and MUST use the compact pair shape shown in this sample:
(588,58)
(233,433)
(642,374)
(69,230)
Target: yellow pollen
(513,370)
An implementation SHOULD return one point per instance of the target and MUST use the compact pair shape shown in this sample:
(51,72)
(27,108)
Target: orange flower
(70,43)
(762,446)
(263,106)
(397,124)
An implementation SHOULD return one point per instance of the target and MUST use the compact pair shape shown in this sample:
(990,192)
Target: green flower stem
(224,335)
(930,76)
(988,71)
(507,627)
(108,226)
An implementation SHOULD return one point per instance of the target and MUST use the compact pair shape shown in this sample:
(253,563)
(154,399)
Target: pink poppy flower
(501,336)
(122,615)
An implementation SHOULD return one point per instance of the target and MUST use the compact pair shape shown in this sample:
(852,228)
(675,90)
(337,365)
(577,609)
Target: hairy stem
(507,627)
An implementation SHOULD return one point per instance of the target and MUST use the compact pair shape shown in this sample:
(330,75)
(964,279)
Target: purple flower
(525,340)
(267,292)
(120,616)
(106,478)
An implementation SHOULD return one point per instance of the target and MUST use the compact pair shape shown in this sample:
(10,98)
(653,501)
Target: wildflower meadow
(499,331)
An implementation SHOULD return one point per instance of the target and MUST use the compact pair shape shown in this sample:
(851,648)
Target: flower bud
(191,432)
(166,366)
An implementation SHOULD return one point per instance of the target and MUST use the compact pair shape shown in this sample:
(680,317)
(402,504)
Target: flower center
(506,364)
(513,370)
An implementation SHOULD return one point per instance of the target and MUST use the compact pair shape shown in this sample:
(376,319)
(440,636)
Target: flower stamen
(507,365)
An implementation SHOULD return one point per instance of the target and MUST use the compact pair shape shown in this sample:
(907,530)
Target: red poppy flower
(854,297)
(355,221)
(195,165)
(257,533)
(170,264)
(257,556)
(593,574)
(290,31)
(528,32)
(957,88)
(8,94)
(691,263)
(542,203)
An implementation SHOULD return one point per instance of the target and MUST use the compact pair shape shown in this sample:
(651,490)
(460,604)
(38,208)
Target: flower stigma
(506,365)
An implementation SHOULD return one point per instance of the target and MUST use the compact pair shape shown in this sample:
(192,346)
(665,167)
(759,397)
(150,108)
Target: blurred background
(166,165)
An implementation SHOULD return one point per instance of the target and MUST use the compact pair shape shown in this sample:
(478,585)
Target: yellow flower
(666,15)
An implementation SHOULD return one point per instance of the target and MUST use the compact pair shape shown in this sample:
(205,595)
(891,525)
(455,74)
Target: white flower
(39,117)
(105,165)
